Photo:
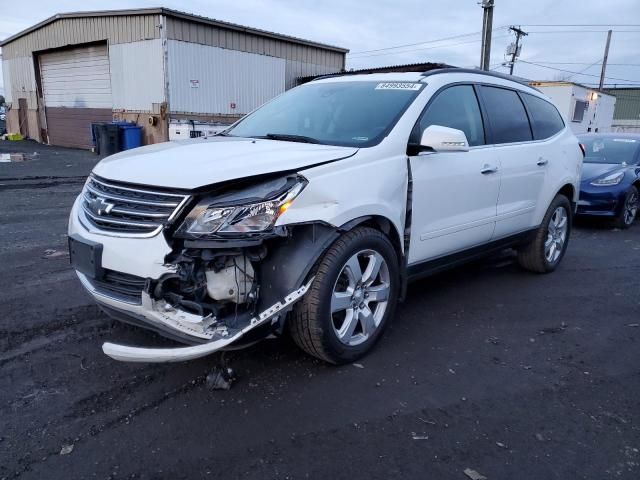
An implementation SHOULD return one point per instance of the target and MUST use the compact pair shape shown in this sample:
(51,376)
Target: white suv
(311,214)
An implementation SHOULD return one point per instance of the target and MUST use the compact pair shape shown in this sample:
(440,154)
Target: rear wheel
(351,300)
(545,251)
(629,211)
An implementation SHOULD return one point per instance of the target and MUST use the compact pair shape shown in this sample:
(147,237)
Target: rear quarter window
(507,115)
(546,121)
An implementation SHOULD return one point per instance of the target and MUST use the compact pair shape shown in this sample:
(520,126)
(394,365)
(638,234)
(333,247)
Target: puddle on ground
(17,157)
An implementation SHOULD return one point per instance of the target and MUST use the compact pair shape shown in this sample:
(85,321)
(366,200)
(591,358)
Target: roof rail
(504,76)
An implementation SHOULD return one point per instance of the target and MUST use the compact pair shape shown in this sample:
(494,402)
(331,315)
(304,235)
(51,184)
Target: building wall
(626,117)
(136,63)
(137,78)
(71,31)
(213,80)
(302,60)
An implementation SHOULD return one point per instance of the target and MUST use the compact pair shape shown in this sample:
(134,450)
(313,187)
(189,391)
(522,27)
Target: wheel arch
(569,191)
(380,223)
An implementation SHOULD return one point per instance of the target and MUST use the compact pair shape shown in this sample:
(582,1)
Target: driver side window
(456,107)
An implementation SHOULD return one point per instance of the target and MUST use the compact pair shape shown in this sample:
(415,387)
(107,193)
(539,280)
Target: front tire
(545,252)
(629,210)
(351,300)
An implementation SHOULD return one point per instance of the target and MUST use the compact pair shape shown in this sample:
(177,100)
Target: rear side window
(545,118)
(507,116)
(456,107)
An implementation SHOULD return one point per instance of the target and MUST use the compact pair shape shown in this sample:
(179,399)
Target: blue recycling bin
(130,136)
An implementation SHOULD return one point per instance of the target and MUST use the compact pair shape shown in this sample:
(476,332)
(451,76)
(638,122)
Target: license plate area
(86,256)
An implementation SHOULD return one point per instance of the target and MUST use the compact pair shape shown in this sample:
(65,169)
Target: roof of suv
(422,76)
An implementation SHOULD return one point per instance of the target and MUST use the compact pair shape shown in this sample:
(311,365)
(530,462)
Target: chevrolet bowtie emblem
(100,206)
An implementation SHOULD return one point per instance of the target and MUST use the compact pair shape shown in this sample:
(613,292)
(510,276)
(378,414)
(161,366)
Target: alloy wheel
(556,234)
(360,296)
(631,208)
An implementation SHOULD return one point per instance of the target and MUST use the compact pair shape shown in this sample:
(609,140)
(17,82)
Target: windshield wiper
(290,138)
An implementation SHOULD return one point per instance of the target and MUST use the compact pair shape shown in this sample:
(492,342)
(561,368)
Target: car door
(454,194)
(523,162)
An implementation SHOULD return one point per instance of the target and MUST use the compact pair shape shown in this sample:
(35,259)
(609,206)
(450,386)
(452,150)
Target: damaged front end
(231,275)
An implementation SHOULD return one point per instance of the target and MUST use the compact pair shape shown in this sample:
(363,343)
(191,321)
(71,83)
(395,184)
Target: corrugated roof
(177,14)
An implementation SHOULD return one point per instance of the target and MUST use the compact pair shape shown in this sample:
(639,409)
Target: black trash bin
(107,138)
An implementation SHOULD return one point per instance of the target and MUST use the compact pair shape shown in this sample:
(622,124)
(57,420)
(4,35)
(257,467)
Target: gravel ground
(512,375)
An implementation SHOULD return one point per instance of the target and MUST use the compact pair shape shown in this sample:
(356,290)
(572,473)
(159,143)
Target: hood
(195,163)
(592,171)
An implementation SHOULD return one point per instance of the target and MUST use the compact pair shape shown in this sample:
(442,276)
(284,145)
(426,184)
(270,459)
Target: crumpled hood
(195,163)
(593,171)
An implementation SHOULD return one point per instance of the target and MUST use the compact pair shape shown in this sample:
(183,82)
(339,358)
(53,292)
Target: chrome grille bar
(124,210)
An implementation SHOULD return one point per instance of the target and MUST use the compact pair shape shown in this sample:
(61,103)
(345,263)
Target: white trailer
(585,109)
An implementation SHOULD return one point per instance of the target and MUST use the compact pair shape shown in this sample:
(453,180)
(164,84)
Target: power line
(415,44)
(555,32)
(421,49)
(580,25)
(576,73)
(585,63)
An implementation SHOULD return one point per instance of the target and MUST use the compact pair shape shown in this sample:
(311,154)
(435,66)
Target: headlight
(613,179)
(250,210)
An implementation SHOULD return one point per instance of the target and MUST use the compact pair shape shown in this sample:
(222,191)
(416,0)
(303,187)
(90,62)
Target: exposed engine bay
(216,284)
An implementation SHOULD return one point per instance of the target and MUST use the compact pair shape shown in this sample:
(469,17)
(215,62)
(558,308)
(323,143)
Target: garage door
(77,91)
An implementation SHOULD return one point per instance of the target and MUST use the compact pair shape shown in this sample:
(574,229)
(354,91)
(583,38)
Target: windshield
(609,149)
(353,114)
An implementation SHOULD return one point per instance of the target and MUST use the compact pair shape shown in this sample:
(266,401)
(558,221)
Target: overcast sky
(371,25)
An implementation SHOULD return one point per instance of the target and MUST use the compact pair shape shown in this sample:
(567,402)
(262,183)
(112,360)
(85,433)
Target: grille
(117,207)
(120,285)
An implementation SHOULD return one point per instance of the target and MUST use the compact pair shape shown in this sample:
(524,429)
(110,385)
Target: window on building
(579,110)
(508,118)
(456,107)
(546,121)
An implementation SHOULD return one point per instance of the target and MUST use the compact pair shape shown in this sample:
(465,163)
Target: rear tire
(545,251)
(629,210)
(351,300)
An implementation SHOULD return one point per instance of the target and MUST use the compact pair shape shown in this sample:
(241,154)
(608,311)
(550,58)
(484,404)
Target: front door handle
(488,169)
(542,162)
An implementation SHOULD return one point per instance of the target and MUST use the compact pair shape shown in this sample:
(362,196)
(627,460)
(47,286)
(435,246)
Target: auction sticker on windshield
(398,86)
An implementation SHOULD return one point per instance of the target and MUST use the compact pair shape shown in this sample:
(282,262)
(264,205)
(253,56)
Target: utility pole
(487,27)
(516,51)
(604,60)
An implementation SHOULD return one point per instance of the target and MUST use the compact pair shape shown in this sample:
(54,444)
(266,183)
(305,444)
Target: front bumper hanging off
(220,339)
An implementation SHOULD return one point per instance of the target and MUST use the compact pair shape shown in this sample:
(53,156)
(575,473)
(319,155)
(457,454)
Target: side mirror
(444,139)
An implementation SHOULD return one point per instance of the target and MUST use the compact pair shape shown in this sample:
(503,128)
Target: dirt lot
(513,375)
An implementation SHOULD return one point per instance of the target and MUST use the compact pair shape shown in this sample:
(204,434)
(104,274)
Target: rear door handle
(488,169)
(542,162)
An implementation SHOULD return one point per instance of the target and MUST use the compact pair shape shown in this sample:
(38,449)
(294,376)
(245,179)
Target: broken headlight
(250,210)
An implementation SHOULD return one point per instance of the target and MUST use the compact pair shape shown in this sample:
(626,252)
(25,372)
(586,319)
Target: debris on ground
(221,378)
(429,422)
(17,157)
(358,365)
(540,437)
(473,475)
(501,445)
(419,437)
(560,329)
(51,253)
(66,449)
(633,324)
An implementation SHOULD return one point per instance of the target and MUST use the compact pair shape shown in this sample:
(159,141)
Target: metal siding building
(148,66)
(626,117)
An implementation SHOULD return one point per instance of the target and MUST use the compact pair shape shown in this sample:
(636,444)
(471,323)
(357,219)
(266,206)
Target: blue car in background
(610,177)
